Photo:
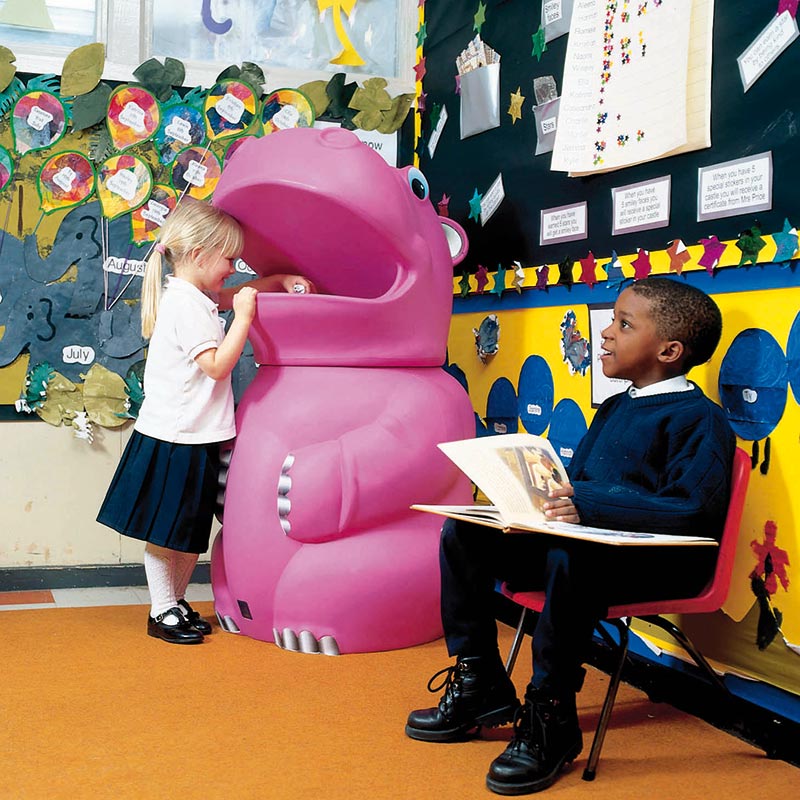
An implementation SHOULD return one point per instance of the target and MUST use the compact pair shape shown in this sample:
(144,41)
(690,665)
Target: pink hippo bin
(337,433)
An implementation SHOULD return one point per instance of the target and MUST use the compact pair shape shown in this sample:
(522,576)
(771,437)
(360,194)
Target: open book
(517,472)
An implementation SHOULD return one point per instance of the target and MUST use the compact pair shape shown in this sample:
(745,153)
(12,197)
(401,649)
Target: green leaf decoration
(159,78)
(104,397)
(83,69)
(315,92)
(134,389)
(13,92)
(64,400)
(394,118)
(248,73)
(175,71)
(89,109)
(100,144)
(7,68)
(370,101)
(196,97)
(339,93)
(45,83)
(36,382)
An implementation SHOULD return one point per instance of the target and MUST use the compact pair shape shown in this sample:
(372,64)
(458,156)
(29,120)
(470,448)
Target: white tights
(168,573)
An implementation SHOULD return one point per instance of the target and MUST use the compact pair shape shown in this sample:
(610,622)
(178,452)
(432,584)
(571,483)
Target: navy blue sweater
(661,463)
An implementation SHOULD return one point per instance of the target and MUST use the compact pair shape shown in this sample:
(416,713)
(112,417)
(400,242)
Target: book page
(516,472)
(631,92)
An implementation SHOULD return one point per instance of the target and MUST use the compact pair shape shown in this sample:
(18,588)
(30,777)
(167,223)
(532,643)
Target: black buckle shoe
(174,633)
(476,692)
(546,738)
(194,619)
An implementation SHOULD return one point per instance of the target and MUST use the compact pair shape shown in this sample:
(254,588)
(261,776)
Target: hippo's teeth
(284,506)
(284,484)
(287,463)
(286,525)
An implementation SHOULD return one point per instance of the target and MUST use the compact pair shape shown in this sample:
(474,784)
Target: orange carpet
(93,708)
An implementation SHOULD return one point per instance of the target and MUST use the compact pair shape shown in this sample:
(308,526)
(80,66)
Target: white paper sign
(230,108)
(766,47)
(155,212)
(741,186)
(77,354)
(286,118)
(492,199)
(437,131)
(641,206)
(123,183)
(179,129)
(38,118)
(132,116)
(195,173)
(549,125)
(562,224)
(551,11)
(64,178)
(124,266)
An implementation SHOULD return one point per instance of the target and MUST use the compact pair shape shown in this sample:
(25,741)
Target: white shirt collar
(677,384)
(175,283)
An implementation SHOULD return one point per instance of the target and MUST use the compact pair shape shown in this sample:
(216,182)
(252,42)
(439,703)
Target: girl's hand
(244,304)
(560,507)
(296,284)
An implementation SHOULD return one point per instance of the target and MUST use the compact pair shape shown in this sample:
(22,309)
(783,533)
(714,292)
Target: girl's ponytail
(151,290)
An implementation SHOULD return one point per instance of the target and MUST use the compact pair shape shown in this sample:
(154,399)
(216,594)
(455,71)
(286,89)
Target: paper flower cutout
(539,43)
(785,243)
(519,277)
(678,255)
(542,278)
(479,18)
(475,205)
(481,278)
(515,109)
(588,266)
(641,265)
(713,249)
(751,244)
(499,281)
(443,206)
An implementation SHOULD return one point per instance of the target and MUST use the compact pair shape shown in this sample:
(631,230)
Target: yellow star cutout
(515,109)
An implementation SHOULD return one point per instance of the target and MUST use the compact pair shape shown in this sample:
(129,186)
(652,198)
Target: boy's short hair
(684,313)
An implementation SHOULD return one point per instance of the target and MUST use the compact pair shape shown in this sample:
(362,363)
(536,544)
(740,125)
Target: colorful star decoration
(519,277)
(499,281)
(481,278)
(515,109)
(422,34)
(480,18)
(421,102)
(713,249)
(641,265)
(787,5)
(419,69)
(613,270)
(565,272)
(539,44)
(475,206)
(751,244)
(464,284)
(443,206)
(458,84)
(678,255)
(542,278)
(785,243)
(588,266)
(436,112)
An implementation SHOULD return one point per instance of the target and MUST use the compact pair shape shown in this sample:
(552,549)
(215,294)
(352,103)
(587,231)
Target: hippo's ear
(456,239)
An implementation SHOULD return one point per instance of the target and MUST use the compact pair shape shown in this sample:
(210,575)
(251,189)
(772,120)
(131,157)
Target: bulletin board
(763,119)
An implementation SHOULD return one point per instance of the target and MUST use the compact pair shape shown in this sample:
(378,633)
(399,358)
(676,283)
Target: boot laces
(530,729)
(451,682)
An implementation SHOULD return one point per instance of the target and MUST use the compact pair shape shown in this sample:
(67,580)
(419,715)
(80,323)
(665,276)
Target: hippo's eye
(418,183)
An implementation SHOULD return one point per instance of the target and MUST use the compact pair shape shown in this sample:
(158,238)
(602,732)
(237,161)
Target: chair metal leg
(674,631)
(608,704)
(515,645)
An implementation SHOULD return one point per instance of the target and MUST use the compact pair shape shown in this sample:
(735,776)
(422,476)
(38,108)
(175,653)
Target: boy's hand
(560,507)
(244,304)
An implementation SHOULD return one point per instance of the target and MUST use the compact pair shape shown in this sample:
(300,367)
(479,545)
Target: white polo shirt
(181,403)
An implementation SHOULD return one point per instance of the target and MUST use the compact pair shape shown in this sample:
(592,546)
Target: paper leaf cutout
(370,100)
(7,68)
(90,108)
(146,221)
(65,180)
(104,397)
(230,109)
(35,392)
(316,92)
(340,94)
(63,401)
(6,168)
(248,73)
(394,118)
(38,121)
(133,116)
(134,388)
(124,183)
(83,69)
(196,170)
(160,78)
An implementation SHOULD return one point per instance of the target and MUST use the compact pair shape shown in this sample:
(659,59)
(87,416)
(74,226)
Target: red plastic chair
(708,601)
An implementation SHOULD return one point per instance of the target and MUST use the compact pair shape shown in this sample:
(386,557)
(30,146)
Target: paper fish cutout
(146,221)
(181,126)
(230,109)
(38,121)
(133,116)
(6,168)
(65,180)
(286,108)
(196,170)
(124,183)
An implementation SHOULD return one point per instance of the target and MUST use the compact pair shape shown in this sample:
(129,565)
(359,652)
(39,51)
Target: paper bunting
(515,109)
(463,284)
(443,206)
(678,256)
(419,69)
(181,126)
(481,278)
(479,18)
(475,205)
(38,121)
(565,272)
(196,171)
(65,180)
(146,221)
(613,269)
(422,99)
(124,182)
(542,278)
(751,244)
(422,34)
(230,109)
(287,108)
(787,5)
(133,116)
(588,266)
(713,249)
(785,243)
(499,281)
(539,43)
(519,277)
(641,265)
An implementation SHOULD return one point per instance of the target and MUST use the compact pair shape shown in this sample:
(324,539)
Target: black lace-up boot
(477,691)
(546,737)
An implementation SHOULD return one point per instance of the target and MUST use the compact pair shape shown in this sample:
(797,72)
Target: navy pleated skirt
(164,493)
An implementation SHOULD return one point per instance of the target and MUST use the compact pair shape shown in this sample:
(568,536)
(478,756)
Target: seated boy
(657,457)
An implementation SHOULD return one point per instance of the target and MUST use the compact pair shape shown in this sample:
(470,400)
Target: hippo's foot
(305,642)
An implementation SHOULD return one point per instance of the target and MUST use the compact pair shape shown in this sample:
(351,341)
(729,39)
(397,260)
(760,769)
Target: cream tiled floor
(101,596)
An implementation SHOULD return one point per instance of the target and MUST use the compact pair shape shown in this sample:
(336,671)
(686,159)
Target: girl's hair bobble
(160,249)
